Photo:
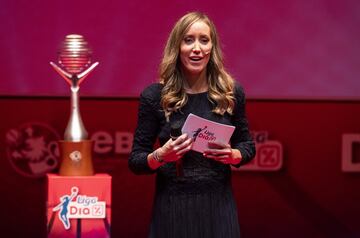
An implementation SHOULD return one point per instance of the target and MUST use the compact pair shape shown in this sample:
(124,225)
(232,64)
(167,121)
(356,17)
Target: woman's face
(195,48)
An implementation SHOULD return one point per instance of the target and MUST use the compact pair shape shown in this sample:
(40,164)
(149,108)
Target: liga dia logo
(32,149)
(74,206)
(203,133)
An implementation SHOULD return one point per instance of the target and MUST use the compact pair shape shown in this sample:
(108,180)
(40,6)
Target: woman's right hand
(173,150)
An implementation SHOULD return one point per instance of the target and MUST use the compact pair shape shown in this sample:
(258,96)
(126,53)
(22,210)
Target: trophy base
(76,158)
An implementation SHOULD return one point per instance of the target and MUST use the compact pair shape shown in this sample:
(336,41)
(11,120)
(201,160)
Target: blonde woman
(192,80)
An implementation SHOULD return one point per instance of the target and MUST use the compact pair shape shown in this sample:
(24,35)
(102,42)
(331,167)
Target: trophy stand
(75,149)
(67,213)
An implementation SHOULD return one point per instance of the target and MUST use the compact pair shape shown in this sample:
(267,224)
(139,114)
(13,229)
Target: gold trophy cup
(75,66)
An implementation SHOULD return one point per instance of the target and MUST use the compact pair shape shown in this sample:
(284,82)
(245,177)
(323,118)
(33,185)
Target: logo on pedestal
(74,206)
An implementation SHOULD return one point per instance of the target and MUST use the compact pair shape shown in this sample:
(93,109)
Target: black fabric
(199,204)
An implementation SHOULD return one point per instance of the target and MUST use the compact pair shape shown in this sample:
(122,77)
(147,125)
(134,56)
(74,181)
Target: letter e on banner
(103,142)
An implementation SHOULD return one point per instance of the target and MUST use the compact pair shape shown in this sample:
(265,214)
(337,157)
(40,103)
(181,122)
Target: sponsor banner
(300,151)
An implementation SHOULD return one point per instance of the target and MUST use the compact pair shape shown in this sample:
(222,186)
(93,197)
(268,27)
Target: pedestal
(79,206)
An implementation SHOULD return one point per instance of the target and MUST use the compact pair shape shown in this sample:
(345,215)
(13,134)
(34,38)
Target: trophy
(74,60)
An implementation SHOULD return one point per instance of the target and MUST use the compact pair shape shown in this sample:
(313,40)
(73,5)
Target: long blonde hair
(220,83)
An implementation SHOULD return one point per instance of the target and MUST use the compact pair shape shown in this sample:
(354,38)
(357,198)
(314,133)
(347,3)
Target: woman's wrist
(155,160)
(157,157)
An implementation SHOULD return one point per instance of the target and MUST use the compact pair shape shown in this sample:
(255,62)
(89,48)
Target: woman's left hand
(223,153)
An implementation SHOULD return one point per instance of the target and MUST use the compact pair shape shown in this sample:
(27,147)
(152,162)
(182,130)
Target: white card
(204,131)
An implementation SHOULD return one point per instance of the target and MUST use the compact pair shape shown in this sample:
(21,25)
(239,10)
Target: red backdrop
(309,197)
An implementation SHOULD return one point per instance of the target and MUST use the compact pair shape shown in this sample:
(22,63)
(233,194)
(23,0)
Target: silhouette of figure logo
(63,206)
(197,132)
(32,149)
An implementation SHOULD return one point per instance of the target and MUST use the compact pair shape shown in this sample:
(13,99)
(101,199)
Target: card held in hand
(204,131)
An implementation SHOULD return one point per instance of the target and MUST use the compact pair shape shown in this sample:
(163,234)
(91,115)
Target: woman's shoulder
(238,90)
(153,91)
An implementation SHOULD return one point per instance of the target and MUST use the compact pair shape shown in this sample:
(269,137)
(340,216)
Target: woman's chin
(195,70)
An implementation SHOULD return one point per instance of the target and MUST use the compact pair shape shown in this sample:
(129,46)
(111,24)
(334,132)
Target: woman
(192,80)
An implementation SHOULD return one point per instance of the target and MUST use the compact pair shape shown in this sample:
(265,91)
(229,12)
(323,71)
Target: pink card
(203,131)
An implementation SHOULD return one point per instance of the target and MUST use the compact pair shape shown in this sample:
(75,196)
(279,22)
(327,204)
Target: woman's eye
(188,40)
(204,40)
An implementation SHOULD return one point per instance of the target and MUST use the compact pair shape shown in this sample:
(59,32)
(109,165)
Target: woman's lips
(195,58)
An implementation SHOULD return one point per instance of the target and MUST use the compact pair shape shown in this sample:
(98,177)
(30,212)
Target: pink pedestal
(79,206)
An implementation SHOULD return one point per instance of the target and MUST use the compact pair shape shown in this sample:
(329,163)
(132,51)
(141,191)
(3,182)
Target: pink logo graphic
(269,154)
(32,149)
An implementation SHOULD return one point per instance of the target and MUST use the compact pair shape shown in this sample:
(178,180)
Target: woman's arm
(148,127)
(241,138)
(242,147)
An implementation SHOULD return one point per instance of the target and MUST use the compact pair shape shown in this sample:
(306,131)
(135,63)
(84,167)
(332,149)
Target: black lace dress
(199,204)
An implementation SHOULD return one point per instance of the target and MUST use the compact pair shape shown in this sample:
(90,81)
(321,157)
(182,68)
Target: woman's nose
(196,48)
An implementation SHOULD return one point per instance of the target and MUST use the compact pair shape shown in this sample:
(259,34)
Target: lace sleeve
(146,132)
(241,139)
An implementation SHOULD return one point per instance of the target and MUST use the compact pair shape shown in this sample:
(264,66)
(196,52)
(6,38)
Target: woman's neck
(196,83)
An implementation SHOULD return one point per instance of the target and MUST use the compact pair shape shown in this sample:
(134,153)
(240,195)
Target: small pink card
(203,131)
